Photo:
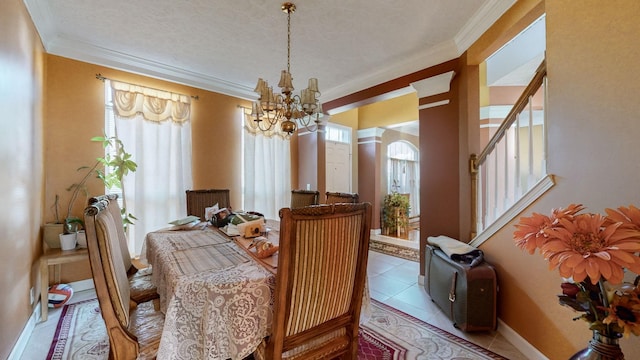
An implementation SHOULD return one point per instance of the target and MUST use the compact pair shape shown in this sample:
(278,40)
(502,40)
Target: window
(403,173)
(159,139)
(338,134)
(266,170)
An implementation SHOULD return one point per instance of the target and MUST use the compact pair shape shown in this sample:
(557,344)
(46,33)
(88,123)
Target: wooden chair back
(110,279)
(140,284)
(340,197)
(302,198)
(114,210)
(199,200)
(322,267)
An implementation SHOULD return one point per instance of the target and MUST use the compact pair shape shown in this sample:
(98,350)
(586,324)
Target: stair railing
(509,166)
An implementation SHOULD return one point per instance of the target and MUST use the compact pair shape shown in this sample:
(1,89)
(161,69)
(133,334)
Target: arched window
(403,171)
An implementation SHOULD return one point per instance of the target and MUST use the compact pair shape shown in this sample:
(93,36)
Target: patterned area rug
(389,334)
(394,250)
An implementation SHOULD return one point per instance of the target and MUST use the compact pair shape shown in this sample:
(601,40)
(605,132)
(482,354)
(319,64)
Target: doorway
(338,158)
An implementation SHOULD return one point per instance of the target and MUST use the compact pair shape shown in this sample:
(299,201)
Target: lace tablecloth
(217,300)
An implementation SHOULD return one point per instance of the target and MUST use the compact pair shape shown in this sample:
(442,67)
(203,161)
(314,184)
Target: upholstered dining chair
(340,197)
(199,200)
(322,266)
(133,333)
(142,289)
(301,198)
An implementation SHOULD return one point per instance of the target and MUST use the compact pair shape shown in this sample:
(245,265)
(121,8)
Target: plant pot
(50,234)
(81,239)
(68,241)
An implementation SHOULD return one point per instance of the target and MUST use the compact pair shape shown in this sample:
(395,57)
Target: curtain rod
(103,78)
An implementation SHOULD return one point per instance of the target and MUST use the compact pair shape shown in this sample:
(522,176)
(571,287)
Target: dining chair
(322,267)
(134,332)
(301,198)
(142,289)
(199,200)
(340,197)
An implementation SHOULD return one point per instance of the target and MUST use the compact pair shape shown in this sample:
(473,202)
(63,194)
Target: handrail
(476,160)
(520,104)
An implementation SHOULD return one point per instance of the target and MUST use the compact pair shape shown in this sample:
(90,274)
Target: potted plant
(119,164)
(395,210)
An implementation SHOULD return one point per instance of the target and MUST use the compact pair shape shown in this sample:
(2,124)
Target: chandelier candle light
(287,110)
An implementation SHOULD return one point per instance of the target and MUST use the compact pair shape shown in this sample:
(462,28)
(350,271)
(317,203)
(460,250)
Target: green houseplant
(118,162)
(395,210)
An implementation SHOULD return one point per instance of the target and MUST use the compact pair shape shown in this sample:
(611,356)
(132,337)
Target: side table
(55,257)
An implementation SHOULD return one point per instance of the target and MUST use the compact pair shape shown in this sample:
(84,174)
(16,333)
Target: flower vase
(600,348)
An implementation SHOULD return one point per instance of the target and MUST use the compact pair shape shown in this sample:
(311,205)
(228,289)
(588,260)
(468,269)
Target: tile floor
(392,280)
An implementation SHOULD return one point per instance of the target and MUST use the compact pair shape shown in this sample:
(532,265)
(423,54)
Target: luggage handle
(452,290)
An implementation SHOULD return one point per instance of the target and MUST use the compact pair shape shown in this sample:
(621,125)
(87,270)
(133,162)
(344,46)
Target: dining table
(216,294)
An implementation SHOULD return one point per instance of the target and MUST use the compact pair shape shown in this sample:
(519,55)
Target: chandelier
(286,109)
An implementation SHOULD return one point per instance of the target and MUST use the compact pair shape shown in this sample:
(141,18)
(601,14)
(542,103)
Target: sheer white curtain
(404,177)
(266,170)
(155,128)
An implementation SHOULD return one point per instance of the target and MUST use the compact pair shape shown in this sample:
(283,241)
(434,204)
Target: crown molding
(56,44)
(488,14)
(109,58)
(424,59)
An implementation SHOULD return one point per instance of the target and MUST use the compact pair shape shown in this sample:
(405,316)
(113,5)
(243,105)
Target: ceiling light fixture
(287,110)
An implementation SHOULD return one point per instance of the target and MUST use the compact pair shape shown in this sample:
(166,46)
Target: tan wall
(592,146)
(75,113)
(21,74)
(384,113)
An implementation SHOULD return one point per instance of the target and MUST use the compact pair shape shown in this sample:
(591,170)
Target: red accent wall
(369,180)
(439,177)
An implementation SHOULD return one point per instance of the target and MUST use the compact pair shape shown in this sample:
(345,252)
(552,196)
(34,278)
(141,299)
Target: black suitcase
(465,293)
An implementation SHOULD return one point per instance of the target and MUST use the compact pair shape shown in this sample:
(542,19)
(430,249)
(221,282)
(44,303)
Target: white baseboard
(519,342)
(21,344)
(23,340)
(510,335)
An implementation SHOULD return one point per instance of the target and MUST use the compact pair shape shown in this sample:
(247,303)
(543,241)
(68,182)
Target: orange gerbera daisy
(566,213)
(629,217)
(584,246)
(530,233)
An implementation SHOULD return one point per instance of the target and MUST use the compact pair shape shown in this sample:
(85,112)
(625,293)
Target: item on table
(186,223)
(221,217)
(263,248)
(209,211)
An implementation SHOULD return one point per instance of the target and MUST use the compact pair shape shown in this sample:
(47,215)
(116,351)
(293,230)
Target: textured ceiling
(225,45)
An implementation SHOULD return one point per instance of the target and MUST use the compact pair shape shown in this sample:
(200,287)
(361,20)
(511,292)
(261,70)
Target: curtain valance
(153,105)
